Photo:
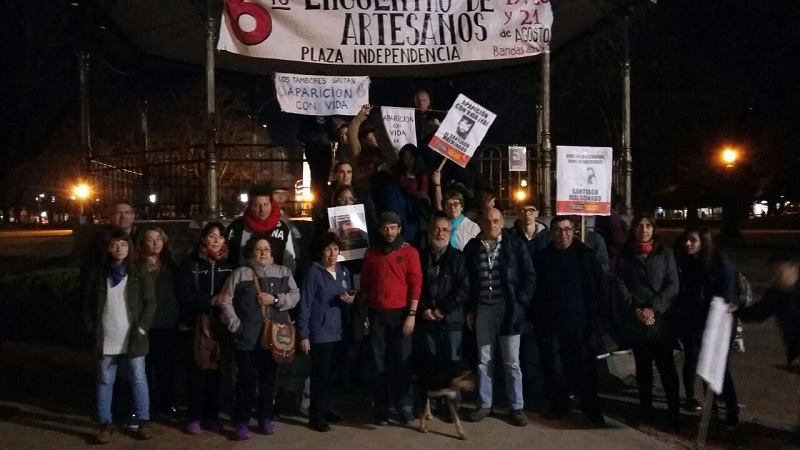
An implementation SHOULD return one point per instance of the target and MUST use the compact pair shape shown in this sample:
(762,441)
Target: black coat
(517,277)
(448,291)
(785,306)
(196,283)
(698,287)
(543,311)
(650,282)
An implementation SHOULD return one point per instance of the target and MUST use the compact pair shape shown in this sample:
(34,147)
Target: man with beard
(392,281)
(445,288)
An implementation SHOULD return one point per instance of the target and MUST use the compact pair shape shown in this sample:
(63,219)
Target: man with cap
(392,281)
(261,216)
(502,282)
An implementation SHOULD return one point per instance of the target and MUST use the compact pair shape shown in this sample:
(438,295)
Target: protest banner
(317,95)
(350,224)
(713,357)
(517,158)
(400,126)
(462,130)
(583,180)
(383,32)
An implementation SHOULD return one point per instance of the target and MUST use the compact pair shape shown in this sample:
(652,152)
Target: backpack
(745,292)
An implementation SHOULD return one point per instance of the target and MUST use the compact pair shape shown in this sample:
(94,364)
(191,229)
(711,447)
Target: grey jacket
(276,280)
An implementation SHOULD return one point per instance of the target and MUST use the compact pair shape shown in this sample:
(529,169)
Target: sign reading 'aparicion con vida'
(386,32)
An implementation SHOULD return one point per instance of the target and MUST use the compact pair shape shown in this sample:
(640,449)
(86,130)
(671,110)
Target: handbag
(206,344)
(280,339)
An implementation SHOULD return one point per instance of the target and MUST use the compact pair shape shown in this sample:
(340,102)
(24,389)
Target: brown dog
(445,384)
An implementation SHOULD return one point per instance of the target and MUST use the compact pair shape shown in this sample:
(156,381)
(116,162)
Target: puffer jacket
(197,281)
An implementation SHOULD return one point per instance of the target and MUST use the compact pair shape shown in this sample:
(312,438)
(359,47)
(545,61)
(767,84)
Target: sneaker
(192,428)
(407,417)
(132,422)
(519,418)
(213,426)
(267,427)
(319,425)
(597,419)
(691,405)
(333,417)
(242,431)
(172,414)
(103,434)
(145,431)
(479,414)
(382,420)
(732,422)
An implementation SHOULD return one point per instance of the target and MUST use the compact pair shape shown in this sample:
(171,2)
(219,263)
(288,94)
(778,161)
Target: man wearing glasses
(445,287)
(527,228)
(567,316)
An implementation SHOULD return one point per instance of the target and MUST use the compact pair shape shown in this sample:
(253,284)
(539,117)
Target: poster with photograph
(583,180)
(517,158)
(350,224)
(462,130)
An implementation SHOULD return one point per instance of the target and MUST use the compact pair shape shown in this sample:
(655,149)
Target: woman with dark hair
(155,255)
(278,293)
(410,171)
(647,287)
(120,309)
(326,289)
(704,273)
(199,280)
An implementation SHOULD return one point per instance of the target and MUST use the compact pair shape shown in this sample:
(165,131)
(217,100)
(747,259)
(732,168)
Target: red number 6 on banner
(238,8)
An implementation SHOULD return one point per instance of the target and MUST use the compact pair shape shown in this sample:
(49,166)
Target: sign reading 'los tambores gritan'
(386,32)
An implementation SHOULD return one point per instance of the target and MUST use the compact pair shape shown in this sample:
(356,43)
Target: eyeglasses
(567,230)
(455,204)
(528,210)
(441,230)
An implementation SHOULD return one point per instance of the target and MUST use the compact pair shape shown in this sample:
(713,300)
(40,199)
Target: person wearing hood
(392,282)
(261,216)
(327,289)
(278,293)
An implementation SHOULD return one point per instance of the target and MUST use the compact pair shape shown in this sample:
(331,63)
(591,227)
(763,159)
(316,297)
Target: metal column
(547,150)
(627,158)
(86,124)
(212,206)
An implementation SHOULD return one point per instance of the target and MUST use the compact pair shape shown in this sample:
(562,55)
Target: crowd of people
(442,279)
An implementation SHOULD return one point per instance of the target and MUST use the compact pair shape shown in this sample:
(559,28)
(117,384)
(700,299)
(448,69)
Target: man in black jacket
(445,287)
(502,282)
(567,317)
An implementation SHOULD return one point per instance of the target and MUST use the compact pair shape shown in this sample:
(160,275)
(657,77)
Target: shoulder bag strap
(264,309)
(197,277)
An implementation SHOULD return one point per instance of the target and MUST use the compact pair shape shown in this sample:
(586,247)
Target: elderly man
(392,282)
(502,282)
(261,216)
(567,318)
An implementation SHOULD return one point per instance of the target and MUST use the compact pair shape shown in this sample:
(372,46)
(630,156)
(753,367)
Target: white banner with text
(386,32)
(317,95)
(400,126)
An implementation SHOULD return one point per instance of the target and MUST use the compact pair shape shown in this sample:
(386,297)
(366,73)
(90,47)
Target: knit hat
(389,217)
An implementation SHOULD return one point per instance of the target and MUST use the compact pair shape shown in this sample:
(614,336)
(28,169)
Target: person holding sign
(502,282)
(646,289)
(364,146)
(704,273)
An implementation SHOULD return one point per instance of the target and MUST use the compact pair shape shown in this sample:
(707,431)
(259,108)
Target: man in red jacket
(392,282)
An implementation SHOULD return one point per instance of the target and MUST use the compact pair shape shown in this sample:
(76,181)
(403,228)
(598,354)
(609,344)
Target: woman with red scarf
(647,288)
(264,217)
(197,287)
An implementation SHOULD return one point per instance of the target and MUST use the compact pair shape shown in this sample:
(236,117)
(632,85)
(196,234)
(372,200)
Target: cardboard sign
(462,130)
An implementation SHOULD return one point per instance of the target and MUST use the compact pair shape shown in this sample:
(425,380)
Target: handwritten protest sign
(400,126)
(316,95)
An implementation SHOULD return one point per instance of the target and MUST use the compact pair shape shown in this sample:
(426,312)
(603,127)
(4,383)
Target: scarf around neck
(644,248)
(455,224)
(213,256)
(256,225)
(386,247)
(117,273)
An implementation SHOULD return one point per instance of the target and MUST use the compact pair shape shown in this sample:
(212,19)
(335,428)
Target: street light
(729,157)
(82,191)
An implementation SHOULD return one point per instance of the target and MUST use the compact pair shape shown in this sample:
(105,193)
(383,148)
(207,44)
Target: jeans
(107,374)
(487,330)
(256,385)
(391,353)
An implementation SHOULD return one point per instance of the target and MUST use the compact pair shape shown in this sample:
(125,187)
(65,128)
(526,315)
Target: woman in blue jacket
(319,323)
